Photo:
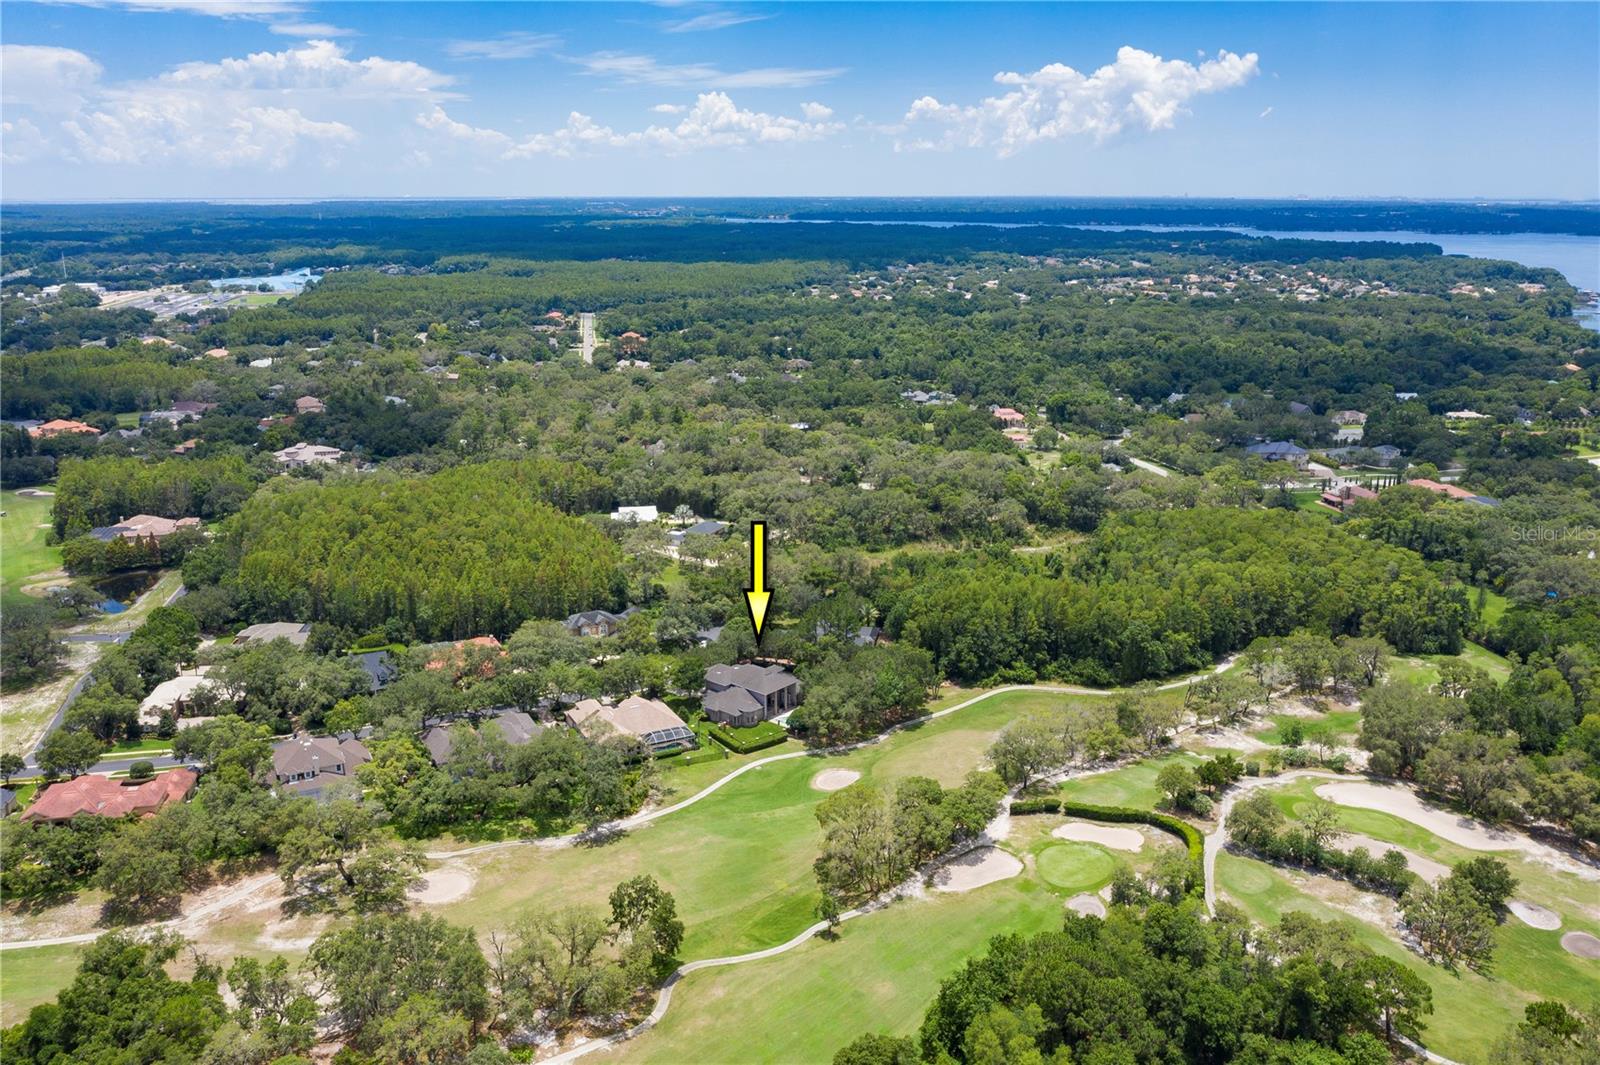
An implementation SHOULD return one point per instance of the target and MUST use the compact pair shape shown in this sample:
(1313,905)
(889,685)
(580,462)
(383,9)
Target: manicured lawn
(1134,785)
(151,745)
(128,419)
(23,551)
(1075,867)
(878,976)
(33,976)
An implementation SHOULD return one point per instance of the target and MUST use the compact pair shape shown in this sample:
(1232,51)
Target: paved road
(1150,467)
(586,335)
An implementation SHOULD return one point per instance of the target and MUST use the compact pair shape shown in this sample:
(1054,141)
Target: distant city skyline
(277,99)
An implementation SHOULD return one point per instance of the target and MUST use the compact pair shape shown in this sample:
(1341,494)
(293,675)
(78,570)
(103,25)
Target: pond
(121,589)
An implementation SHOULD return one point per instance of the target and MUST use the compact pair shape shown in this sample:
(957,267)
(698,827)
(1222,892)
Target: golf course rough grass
(24,554)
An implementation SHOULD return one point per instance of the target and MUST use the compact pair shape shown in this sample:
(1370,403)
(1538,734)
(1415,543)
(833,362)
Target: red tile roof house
(1343,496)
(456,656)
(1007,416)
(57,426)
(97,796)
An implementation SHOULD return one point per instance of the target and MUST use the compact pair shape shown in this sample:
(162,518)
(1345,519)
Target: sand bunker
(834,779)
(1426,868)
(1582,944)
(1122,839)
(1534,915)
(984,865)
(441,886)
(1463,831)
(1088,905)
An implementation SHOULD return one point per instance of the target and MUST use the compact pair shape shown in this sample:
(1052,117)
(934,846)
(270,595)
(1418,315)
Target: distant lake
(291,282)
(1577,258)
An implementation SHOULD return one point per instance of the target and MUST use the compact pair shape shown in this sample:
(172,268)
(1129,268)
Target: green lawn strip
(1344,723)
(153,745)
(23,551)
(1133,785)
(1471,1011)
(879,975)
(33,976)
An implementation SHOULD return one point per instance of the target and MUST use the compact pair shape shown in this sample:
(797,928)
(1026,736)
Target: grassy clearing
(24,555)
(1341,723)
(33,976)
(1424,669)
(1133,785)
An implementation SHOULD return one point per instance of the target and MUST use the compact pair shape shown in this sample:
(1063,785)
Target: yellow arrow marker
(757,596)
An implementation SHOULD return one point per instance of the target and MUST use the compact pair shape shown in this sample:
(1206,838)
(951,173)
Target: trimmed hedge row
(1192,839)
(747,744)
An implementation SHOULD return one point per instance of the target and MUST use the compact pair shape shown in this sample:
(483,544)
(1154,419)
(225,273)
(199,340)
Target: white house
(304,454)
(636,514)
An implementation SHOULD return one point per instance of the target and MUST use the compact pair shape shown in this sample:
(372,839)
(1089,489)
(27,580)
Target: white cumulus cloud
(714,121)
(51,79)
(1137,91)
(264,109)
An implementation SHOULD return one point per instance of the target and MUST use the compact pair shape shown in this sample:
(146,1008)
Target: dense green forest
(469,551)
(1156,594)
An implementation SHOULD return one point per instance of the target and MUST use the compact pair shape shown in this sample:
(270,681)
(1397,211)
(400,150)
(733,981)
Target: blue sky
(111,99)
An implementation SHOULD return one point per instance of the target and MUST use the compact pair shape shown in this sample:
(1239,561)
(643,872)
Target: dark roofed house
(1279,451)
(597,622)
(379,667)
(440,743)
(865,636)
(308,765)
(742,695)
(699,528)
(296,632)
(516,727)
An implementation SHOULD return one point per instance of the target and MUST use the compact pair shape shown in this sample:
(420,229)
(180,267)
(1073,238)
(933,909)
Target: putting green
(1076,867)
